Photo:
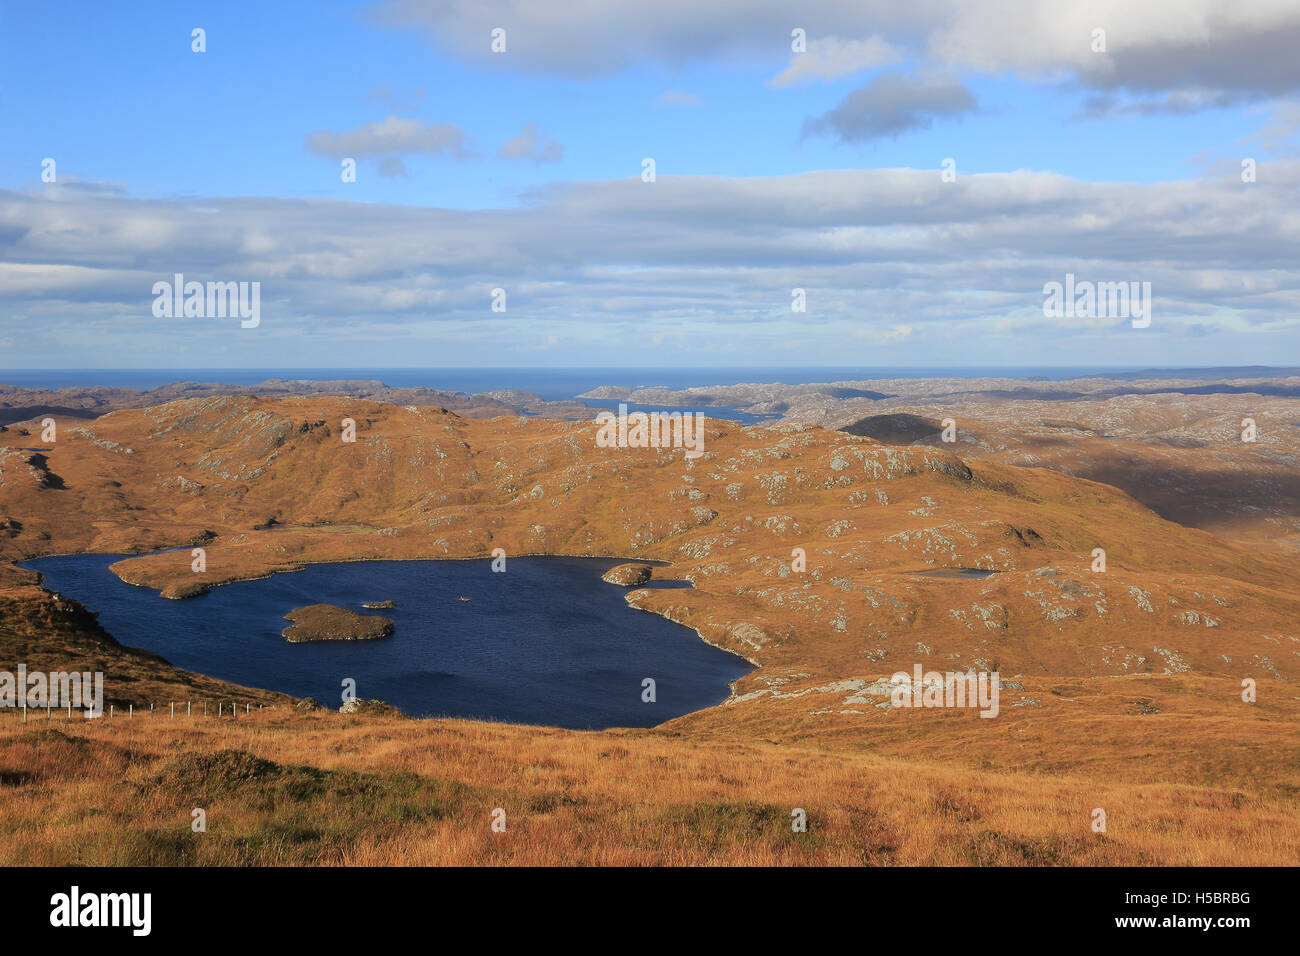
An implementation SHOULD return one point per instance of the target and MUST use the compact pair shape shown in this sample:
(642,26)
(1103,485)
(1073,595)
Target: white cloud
(893,103)
(829,58)
(1158,46)
(1281,135)
(532,147)
(897,252)
(391,136)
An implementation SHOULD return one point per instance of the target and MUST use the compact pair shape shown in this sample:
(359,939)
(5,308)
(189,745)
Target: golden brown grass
(284,788)
(1130,680)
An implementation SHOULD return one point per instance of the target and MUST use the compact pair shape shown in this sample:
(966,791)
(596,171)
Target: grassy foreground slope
(1125,688)
(280,787)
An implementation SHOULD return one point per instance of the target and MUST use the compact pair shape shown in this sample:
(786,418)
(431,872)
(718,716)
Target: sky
(920,171)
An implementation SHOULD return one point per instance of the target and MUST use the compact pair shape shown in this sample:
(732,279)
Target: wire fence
(174,708)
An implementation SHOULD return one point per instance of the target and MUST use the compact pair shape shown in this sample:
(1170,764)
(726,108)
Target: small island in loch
(328,622)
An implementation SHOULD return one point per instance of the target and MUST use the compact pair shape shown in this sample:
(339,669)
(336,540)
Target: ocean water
(547,642)
(552,384)
(563,384)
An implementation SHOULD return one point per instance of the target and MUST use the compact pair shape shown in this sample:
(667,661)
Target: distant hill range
(19,404)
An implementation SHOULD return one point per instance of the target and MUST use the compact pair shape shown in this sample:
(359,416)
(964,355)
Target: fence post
(173,703)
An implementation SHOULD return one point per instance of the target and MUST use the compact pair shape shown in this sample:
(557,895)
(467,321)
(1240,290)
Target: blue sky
(142,129)
(129,102)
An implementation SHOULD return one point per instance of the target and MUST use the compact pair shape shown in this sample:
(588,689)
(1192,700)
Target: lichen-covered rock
(184,590)
(329,622)
(628,575)
(377,708)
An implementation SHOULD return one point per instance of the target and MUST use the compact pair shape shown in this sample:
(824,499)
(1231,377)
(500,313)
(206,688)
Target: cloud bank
(1208,49)
(714,258)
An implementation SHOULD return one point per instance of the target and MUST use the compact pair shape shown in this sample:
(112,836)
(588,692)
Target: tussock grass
(287,789)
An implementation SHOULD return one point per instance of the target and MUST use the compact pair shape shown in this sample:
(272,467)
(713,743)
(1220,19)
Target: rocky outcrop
(628,575)
(184,590)
(370,708)
(379,605)
(329,622)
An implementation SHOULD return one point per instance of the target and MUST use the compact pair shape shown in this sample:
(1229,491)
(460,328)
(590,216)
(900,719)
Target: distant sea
(558,384)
